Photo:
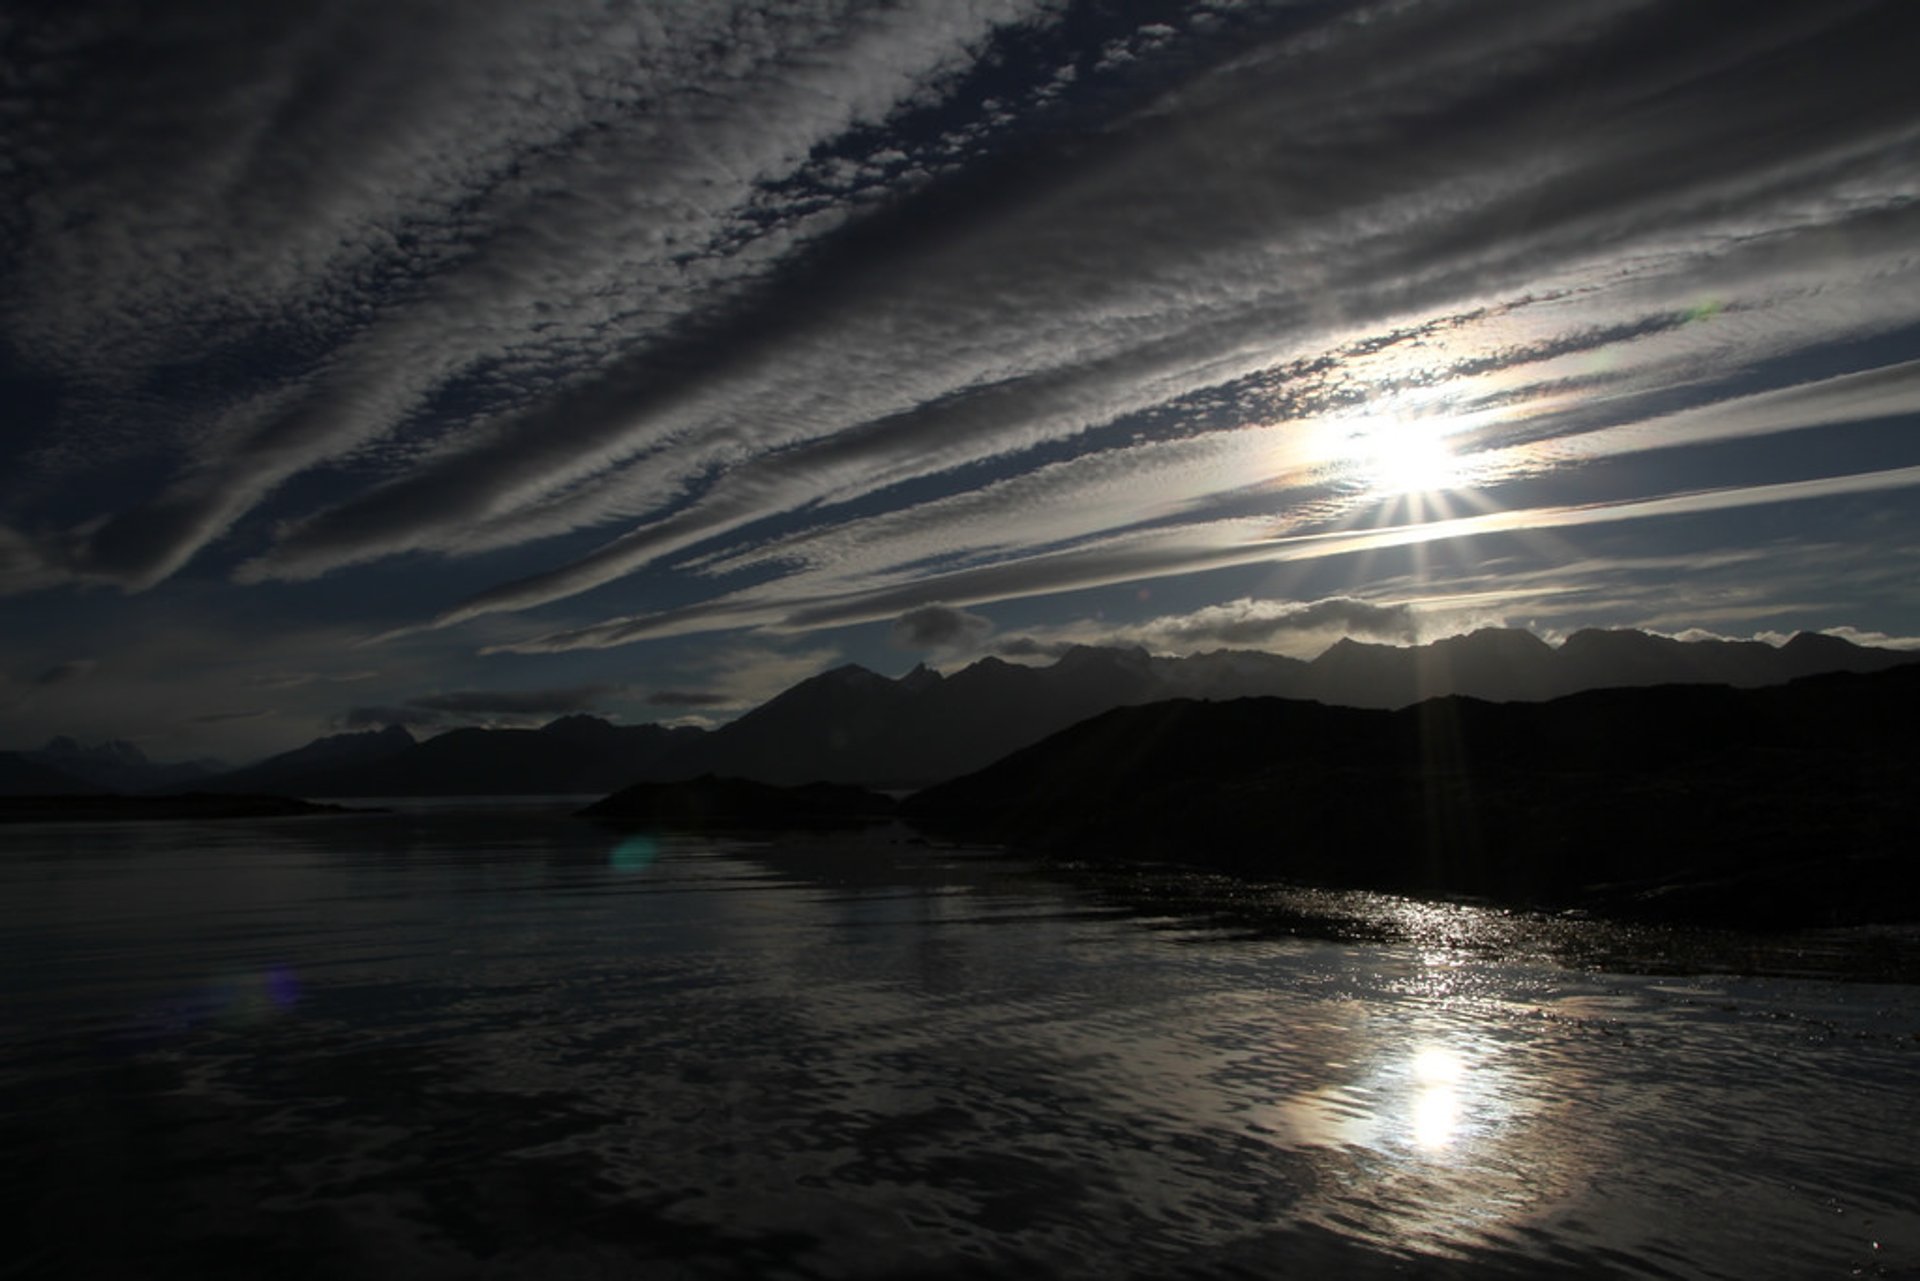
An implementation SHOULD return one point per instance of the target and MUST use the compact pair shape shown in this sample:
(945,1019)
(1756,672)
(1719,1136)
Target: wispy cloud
(883,311)
(1298,628)
(222,718)
(1175,551)
(514,203)
(378,716)
(688,698)
(62,673)
(516,702)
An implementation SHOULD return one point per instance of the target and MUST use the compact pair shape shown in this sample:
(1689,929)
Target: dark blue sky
(488,361)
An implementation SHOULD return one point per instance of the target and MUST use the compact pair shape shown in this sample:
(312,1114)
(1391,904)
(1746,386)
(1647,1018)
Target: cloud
(932,627)
(28,564)
(1871,639)
(1258,623)
(379,717)
(516,702)
(221,718)
(1089,355)
(688,698)
(1171,551)
(297,680)
(831,300)
(1031,647)
(467,208)
(1293,627)
(67,672)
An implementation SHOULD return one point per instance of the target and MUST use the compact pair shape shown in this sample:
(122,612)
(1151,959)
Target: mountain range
(852,725)
(65,768)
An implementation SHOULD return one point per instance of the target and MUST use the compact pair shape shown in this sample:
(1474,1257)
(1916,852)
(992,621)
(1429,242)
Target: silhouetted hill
(710,802)
(22,775)
(292,772)
(1787,804)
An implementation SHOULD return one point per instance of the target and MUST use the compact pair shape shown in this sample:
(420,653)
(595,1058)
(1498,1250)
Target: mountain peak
(1346,647)
(921,677)
(114,750)
(578,725)
(851,674)
(1132,657)
(1515,637)
(1588,637)
(1818,643)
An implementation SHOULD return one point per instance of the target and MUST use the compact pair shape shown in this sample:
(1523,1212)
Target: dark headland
(1791,805)
(84,808)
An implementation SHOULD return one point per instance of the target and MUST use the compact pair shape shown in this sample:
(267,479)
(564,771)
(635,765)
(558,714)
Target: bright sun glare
(1396,455)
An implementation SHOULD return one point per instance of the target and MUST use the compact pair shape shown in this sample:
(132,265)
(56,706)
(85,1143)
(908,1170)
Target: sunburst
(1395,455)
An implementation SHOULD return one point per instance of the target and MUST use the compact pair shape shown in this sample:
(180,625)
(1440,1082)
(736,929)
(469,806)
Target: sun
(1395,455)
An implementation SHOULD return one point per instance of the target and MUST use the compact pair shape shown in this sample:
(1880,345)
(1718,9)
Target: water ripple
(428,1046)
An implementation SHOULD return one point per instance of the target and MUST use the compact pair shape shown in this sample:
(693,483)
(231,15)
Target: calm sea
(456,1041)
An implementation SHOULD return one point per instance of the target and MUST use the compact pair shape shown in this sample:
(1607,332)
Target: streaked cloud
(529,329)
(1296,628)
(1176,551)
(1258,624)
(516,702)
(688,698)
(376,716)
(222,718)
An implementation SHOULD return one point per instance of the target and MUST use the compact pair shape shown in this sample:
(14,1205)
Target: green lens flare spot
(635,854)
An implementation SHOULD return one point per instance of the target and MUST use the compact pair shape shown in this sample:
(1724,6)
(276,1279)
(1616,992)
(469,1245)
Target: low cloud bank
(937,627)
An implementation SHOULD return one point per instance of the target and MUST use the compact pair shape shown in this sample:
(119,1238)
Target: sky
(481,362)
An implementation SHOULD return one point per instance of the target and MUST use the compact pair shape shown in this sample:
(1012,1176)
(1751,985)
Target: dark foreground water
(441,1044)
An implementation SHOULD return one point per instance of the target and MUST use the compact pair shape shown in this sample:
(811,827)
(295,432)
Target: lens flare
(635,854)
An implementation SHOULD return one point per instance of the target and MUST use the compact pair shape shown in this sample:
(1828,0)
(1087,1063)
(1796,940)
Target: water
(449,1043)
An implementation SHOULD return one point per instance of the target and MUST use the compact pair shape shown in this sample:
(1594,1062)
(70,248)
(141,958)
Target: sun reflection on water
(1435,1107)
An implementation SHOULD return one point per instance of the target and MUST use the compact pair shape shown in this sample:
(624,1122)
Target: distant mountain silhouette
(575,754)
(21,774)
(1791,804)
(119,766)
(851,725)
(289,773)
